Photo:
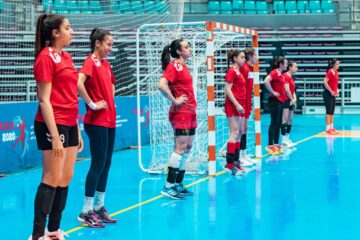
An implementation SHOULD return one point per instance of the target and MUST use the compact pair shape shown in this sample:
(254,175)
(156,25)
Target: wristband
(92,105)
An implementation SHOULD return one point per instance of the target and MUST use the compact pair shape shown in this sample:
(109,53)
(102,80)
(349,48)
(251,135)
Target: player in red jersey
(289,105)
(235,109)
(274,82)
(247,71)
(56,129)
(176,85)
(331,91)
(96,87)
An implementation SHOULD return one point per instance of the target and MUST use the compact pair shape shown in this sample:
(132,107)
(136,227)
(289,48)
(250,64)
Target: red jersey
(333,77)
(246,70)
(278,85)
(99,86)
(289,80)
(238,88)
(58,69)
(180,82)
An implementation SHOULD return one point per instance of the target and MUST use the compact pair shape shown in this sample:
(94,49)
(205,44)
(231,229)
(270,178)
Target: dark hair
(46,23)
(332,63)
(231,54)
(170,50)
(278,60)
(249,52)
(97,34)
(290,64)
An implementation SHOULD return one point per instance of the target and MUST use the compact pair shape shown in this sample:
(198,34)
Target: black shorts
(330,102)
(68,135)
(184,132)
(286,104)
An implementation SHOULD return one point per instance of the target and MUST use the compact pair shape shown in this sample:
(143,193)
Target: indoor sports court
(155,78)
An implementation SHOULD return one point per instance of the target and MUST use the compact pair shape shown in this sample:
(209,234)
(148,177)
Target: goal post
(208,65)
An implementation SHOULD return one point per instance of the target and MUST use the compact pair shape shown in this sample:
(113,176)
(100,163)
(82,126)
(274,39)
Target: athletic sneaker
(285,143)
(57,235)
(183,191)
(91,219)
(278,148)
(171,193)
(233,170)
(41,238)
(271,149)
(334,131)
(104,216)
(237,165)
(292,144)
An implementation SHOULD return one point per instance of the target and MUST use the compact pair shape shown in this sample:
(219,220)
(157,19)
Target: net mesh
(17,31)
(152,40)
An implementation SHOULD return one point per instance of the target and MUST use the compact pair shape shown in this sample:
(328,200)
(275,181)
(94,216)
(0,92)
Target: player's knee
(188,148)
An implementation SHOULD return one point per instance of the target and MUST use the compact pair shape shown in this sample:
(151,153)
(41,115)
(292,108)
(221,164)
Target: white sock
(328,127)
(183,160)
(332,125)
(88,204)
(99,200)
(169,185)
(174,160)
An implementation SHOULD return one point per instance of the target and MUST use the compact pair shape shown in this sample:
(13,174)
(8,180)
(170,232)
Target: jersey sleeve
(112,74)
(329,74)
(87,67)
(169,73)
(273,74)
(230,76)
(44,69)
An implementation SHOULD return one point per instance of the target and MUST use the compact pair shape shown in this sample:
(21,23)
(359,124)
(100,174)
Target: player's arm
(327,86)
(44,92)
(232,98)
(84,95)
(267,84)
(163,86)
(288,93)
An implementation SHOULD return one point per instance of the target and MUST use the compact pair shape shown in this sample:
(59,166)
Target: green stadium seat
(261,7)
(71,7)
(59,7)
(226,7)
(328,10)
(137,7)
(303,6)
(317,11)
(46,5)
(149,7)
(214,7)
(279,7)
(95,7)
(161,7)
(238,6)
(290,5)
(327,6)
(314,6)
(250,7)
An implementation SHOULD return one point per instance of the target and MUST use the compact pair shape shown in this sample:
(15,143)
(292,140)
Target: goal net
(209,42)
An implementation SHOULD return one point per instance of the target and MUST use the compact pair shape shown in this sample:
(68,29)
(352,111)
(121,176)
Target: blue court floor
(311,192)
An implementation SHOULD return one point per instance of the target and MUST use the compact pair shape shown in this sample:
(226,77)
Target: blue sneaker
(171,193)
(183,191)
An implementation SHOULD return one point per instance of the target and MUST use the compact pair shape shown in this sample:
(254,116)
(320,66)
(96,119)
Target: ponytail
(170,50)
(278,60)
(249,52)
(46,23)
(332,63)
(231,54)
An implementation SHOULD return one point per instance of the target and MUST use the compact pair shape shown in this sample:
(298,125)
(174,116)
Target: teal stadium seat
(59,7)
(226,7)
(161,7)
(95,7)
(150,7)
(72,7)
(1,6)
(214,7)
(84,7)
(315,6)
(137,7)
(238,6)
(46,5)
(124,7)
(261,7)
(279,7)
(290,7)
(327,6)
(250,7)
(303,6)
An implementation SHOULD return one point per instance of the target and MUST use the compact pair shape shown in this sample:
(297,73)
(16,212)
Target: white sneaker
(285,143)
(291,144)
(246,161)
(41,238)
(59,234)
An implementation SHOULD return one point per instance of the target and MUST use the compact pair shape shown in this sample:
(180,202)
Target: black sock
(243,142)
(283,129)
(230,158)
(237,155)
(172,174)
(288,129)
(180,176)
(57,208)
(43,202)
